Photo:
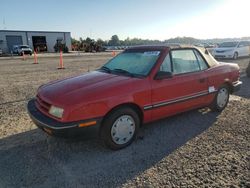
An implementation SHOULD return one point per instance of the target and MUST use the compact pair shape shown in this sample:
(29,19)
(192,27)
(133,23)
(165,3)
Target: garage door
(13,40)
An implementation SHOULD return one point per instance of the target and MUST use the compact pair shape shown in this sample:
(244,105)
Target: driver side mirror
(163,75)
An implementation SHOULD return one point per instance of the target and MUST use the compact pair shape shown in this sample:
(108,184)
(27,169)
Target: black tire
(248,70)
(108,123)
(215,106)
(235,55)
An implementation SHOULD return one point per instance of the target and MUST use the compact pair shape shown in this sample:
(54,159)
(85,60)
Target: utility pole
(4,26)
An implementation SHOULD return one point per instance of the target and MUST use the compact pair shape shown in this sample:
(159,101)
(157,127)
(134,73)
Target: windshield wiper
(122,71)
(106,69)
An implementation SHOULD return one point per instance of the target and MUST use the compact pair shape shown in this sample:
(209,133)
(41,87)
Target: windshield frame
(233,42)
(102,68)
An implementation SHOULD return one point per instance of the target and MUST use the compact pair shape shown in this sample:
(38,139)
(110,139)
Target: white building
(40,40)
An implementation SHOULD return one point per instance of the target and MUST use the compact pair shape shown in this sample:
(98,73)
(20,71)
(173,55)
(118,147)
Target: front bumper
(219,55)
(26,52)
(237,86)
(54,127)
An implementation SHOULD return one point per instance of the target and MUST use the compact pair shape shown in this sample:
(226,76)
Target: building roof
(34,31)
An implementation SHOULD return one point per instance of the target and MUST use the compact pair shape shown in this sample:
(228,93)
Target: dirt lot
(194,149)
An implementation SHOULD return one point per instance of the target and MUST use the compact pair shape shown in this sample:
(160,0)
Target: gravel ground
(219,157)
(194,149)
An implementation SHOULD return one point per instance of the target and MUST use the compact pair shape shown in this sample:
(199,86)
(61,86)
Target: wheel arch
(236,52)
(131,105)
(229,85)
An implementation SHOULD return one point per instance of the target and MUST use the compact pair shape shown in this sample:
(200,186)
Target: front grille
(220,51)
(26,52)
(219,56)
(42,104)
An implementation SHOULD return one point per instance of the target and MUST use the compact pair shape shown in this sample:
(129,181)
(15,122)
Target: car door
(242,49)
(186,89)
(246,48)
(248,45)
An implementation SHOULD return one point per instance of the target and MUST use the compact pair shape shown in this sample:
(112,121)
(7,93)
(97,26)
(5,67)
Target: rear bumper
(237,86)
(53,127)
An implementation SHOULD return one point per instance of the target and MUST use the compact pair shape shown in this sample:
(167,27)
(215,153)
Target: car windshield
(23,47)
(228,44)
(132,63)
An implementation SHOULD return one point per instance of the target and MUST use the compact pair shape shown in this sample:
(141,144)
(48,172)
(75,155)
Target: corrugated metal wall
(13,40)
(8,38)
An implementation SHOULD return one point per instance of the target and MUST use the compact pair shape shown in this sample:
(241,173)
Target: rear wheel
(221,99)
(119,129)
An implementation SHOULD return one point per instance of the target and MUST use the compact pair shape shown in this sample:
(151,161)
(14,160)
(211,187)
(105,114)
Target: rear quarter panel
(221,74)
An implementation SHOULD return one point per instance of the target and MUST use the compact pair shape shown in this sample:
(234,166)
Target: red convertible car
(140,85)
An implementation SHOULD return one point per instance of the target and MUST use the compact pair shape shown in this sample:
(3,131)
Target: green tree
(88,40)
(127,42)
(100,42)
(114,41)
(75,44)
(74,41)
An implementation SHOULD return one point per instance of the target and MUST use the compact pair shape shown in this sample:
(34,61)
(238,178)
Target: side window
(166,64)
(241,44)
(184,61)
(246,43)
(203,64)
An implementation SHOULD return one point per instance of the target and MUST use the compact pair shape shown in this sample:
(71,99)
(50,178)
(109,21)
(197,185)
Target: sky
(146,19)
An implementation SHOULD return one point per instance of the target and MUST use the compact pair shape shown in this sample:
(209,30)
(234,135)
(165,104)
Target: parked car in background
(206,45)
(1,52)
(232,49)
(20,49)
(140,85)
(40,47)
(209,46)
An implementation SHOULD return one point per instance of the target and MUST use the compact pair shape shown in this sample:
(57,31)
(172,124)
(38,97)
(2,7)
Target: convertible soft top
(209,58)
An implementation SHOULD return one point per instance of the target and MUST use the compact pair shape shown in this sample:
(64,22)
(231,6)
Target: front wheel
(248,70)
(119,129)
(235,55)
(221,99)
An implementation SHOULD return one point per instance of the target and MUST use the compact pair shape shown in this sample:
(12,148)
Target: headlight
(55,111)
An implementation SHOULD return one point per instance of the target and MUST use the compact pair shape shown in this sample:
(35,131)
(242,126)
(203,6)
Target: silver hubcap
(123,129)
(235,55)
(222,97)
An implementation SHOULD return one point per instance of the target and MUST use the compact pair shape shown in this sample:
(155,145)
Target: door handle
(202,80)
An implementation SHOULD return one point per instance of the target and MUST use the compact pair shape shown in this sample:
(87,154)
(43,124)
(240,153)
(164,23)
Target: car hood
(83,88)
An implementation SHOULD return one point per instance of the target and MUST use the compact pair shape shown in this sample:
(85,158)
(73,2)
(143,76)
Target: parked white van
(232,49)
